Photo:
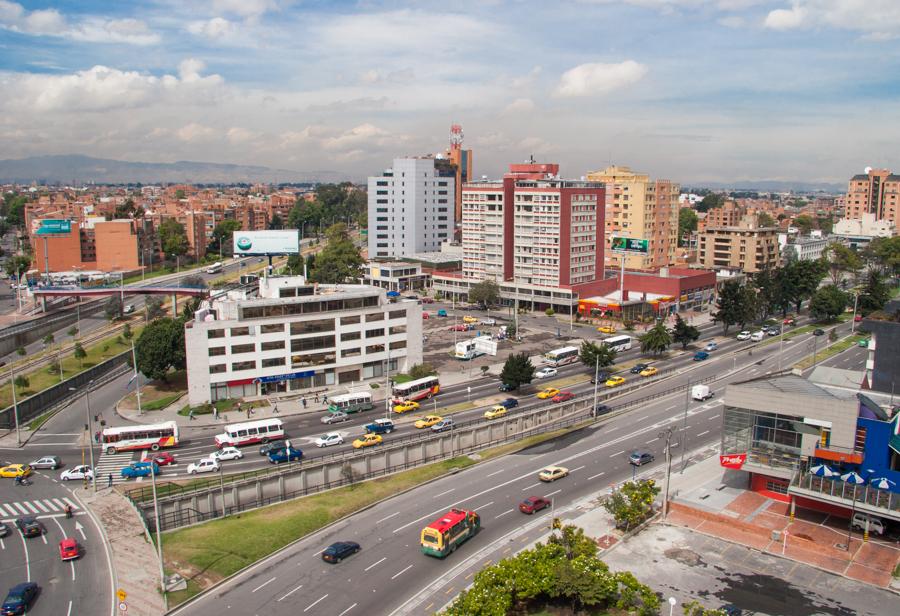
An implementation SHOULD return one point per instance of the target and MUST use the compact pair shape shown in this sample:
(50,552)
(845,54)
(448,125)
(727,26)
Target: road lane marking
(702,433)
(41,506)
(376,563)
(504,513)
(30,506)
(59,504)
(449,590)
(597,475)
(496,472)
(552,493)
(534,485)
(27,560)
(44,537)
(484,506)
(348,609)
(388,517)
(577,469)
(618,453)
(270,580)
(291,592)
(398,574)
(313,604)
(69,611)
(444,493)
(70,503)
(674,406)
(652,440)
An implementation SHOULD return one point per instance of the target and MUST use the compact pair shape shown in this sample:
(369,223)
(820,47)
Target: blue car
(140,469)
(509,403)
(701,355)
(285,454)
(19,598)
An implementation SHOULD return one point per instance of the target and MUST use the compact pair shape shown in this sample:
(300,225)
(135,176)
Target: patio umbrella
(822,470)
(853,477)
(882,483)
(393,294)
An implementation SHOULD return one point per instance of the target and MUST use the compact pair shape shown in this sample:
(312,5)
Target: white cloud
(599,78)
(877,19)
(195,132)
(786,19)
(50,22)
(360,135)
(374,76)
(215,28)
(732,21)
(520,105)
(244,8)
(237,134)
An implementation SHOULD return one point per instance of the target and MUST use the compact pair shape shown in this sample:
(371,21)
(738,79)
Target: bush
(420,371)
(549,312)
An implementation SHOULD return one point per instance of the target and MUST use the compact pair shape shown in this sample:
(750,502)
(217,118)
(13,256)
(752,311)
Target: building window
(350,336)
(311,344)
(312,327)
(215,333)
(271,328)
(377,316)
(312,359)
(351,352)
(399,344)
(272,346)
(243,348)
(375,333)
(348,377)
(350,320)
(217,351)
(272,362)
(374,348)
(398,329)
(240,331)
(219,369)
(243,365)
(397,314)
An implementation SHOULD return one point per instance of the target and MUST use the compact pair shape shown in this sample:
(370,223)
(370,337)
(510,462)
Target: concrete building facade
(747,247)
(877,191)
(411,208)
(90,244)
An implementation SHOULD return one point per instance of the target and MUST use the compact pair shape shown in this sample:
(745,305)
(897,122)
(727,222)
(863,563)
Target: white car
(82,471)
(488,322)
(204,465)
(545,373)
(332,438)
(226,453)
(744,335)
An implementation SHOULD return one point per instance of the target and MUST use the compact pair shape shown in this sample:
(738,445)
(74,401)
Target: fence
(847,492)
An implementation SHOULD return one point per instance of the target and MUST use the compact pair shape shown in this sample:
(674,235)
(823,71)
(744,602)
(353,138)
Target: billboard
(630,245)
(285,242)
(51,226)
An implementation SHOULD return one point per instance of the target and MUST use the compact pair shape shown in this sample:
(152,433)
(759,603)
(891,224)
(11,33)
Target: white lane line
(597,475)
(388,517)
(398,574)
(496,472)
(484,506)
(58,504)
(639,419)
(577,469)
(534,485)
(652,440)
(69,611)
(618,453)
(347,610)
(670,408)
(41,506)
(27,560)
(30,506)
(269,581)
(714,417)
(313,604)
(44,537)
(10,509)
(70,503)
(702,433)
(552,493)
(291,592)
(444,493)
(375,564)
(504,513)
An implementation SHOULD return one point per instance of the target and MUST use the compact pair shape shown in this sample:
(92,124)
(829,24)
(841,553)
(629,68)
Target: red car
(162,458)
(858,318)
(427,300)
(68,549)
(533,504)
(789,321)
(563,396)
(459,328)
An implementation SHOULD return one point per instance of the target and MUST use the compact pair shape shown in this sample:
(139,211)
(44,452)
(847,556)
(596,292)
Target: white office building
(296,336)
(411,207)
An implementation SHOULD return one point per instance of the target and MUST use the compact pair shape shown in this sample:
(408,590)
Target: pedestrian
(215,413)
(324,398)
(274,409)
(317,397)
(248,412)
(191,415)
(109,480)
(97,436)
(303,400)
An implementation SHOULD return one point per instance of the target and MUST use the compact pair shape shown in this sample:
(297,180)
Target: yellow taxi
(547,393)
(15,470)
(468,319)
(615,381)
(367,440)
(406,405)
(427,421)
(552,473)
(606,329)
(494,413)
(650,371)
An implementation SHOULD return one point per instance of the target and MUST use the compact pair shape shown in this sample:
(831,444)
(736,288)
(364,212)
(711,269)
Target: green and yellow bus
(350,403)
(445,534)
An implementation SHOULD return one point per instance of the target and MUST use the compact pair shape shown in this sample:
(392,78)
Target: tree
(684,334)
(632,503)
(48,339)
(841,259)
(113,307)
(807,275)
(825,224)
(804,223)
(126,332)
(222,237)
(656,340)
(160,348)
(591,351)
(511,330)
(179,194)
(73,331)
(517,370)
(173,237)
(20,351)
(276,222)
(729,309)
(763,219)
(17,265)
(694,608)
(828,303)
(710,201)
(340,260)
(155,308)
(21,381)
(79,353)
(884,254)
(687,224)
(420,371)
(484,293)
(128,210)
(874,295)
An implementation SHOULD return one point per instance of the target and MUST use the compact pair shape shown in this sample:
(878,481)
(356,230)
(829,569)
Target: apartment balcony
(839,454)
(882,503)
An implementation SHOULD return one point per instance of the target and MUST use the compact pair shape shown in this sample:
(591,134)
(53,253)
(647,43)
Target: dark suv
(639,367)
(509,403)
(336,552)
(601,376)
(29,527)
(270,447)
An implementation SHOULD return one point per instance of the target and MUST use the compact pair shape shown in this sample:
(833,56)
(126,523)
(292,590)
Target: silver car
(335,417)
(51,462)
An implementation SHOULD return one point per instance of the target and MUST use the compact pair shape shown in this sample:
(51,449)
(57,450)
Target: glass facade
(769,439)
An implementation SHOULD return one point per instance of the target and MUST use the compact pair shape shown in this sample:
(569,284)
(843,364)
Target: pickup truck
(380,426)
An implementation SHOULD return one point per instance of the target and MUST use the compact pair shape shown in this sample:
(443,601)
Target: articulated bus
(247,433)
(445,534)
(561,357)
(350,403)
(617,343)
(149,436)
(418,389)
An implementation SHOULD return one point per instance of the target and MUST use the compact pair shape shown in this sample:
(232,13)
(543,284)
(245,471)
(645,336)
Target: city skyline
(689,90)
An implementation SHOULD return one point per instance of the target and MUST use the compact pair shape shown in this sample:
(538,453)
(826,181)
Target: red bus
(418,389)
(149,436)
(445,534)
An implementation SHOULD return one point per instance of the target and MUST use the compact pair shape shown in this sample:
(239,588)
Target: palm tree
(656,340)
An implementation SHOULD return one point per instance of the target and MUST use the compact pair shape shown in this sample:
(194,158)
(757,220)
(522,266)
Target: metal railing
(866,494)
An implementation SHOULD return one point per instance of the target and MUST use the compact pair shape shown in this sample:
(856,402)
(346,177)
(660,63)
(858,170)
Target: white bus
(418,389)
(130,438)
(247,433)
(617,343)
(561,357)
(215,268)
(466,350)
(350,403)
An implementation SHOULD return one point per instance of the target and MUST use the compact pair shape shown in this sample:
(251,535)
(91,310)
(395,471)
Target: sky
(690,90)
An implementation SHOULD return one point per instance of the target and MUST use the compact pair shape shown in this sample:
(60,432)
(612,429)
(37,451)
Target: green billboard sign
(54,227)
(630,245)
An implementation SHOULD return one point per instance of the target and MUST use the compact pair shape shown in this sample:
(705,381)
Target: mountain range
(77,169)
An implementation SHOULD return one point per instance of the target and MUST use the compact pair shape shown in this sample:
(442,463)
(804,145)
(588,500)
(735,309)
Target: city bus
(131,438)
(249,432)
(617,343)
(350,403)
(561,357)
(215,268)
(418,389)
(445,534)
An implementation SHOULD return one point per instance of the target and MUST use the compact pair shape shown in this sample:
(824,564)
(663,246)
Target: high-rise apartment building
(641,208)
(877,191)
(411,207)
(747,247)
(533,228)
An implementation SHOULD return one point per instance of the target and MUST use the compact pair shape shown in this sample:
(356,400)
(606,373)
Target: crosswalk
(112,464)
(35,507)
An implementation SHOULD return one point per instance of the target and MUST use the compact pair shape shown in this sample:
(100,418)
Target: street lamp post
(137,378)
(687,403)
(855,304)
(12,383)
(596,384)
(87,410)
(668,436)
(162,573)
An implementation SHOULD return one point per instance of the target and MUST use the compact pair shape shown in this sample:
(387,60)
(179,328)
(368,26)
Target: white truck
(701,392)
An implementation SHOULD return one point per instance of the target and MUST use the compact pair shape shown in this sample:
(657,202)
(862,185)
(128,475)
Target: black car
(601,377)
(4,529)
(336,552)
(506,387)
(19,598)
(271,446)
(732,610)
(639,367)
(818,332)
(603,409)
(29,527)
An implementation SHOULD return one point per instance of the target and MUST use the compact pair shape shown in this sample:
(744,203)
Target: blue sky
(692,90)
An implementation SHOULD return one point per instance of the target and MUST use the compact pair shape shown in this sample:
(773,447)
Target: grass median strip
(831,351)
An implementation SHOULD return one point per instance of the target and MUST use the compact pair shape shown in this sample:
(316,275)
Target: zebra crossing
(112,464)
(36,507)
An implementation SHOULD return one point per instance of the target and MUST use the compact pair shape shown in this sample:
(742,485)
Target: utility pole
(137,378)
(12,383)
(853,322)
(162,573)
(668,436)
(87,410)
(687,402)
(780,345)
(596,384)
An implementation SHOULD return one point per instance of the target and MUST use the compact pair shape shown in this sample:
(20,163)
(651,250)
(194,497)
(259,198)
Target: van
(757,336)
(701,392)
(876,526)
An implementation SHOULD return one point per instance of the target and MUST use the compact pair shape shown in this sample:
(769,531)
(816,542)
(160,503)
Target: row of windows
(331,305)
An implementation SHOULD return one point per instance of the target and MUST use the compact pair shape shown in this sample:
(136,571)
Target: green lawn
(834,349)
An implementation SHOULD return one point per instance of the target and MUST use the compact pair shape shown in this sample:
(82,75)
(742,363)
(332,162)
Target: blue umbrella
(853,477)
(882,483)
(822,470)
(393,294)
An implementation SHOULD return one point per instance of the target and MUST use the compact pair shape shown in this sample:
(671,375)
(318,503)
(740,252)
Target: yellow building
(638,207)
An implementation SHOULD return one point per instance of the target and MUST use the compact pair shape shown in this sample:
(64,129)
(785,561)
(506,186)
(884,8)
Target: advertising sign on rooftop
(52,226)
(630,245)
(285,242)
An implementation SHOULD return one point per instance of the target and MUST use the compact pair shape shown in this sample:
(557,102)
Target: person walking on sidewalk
(191,415)
(274,409)
(303,400)
(317,397)
(109,480)
(216,413)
